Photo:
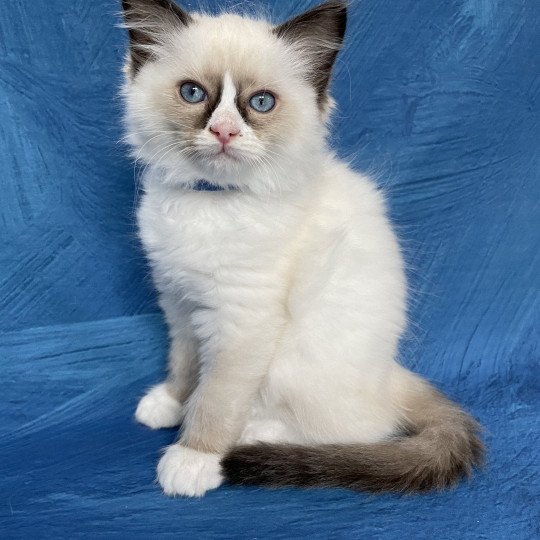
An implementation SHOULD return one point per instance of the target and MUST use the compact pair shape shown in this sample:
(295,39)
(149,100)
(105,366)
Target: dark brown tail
(443,447)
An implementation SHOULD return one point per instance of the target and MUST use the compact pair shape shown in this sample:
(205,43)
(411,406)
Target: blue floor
(73,462)
(438,100)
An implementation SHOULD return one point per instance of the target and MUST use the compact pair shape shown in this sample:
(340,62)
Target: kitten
(277,269)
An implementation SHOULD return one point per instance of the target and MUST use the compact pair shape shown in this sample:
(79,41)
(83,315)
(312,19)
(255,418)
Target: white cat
(280,277)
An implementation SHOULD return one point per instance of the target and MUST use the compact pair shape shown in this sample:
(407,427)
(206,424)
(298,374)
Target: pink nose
(224,131)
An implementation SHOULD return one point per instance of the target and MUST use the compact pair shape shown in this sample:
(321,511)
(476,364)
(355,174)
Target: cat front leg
(163,405)
(158,408)
(235,360)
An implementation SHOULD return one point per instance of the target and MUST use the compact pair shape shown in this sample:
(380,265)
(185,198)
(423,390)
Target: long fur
(440,446)
(285,292)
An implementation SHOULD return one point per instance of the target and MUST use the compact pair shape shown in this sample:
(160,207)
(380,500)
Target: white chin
(223,162)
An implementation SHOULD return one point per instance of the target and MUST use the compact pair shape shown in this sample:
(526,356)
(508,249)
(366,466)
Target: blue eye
(262,102)
(192,92)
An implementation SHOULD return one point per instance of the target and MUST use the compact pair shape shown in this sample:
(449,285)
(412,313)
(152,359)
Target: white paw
(269,431)
(184,471)
(158,409)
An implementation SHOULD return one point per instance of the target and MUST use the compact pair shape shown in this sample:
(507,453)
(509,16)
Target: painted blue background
(438,99)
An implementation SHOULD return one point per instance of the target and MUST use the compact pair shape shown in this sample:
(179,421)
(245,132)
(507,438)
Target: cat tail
(442,446)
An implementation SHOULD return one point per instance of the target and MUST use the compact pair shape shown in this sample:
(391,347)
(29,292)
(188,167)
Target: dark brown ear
(145,21)
(320,33)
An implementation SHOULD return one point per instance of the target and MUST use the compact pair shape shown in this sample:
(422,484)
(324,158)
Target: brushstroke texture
(438,99)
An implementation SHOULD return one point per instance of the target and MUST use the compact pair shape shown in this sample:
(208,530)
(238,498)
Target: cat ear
(319,32)
(146,20)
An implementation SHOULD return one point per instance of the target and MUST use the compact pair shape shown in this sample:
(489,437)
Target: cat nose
(225,131)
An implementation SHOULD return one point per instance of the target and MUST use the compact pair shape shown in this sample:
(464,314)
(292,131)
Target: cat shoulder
(352,190)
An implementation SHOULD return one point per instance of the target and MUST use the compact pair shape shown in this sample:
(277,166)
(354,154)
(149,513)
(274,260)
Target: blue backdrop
(438,99)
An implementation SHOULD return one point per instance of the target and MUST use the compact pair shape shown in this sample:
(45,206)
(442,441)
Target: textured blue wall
(67,251)
(437,98)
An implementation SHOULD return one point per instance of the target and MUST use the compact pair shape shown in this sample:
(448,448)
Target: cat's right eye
(192,92)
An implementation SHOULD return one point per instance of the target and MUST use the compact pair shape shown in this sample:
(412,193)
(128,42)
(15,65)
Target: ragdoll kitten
(280,277)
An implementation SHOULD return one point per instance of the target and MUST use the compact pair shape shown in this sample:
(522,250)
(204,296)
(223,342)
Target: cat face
(229,99)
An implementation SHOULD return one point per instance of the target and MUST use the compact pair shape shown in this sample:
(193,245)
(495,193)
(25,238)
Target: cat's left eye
(192,92)
(262,102)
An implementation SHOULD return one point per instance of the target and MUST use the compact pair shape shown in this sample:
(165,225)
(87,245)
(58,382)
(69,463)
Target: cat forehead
(245,48)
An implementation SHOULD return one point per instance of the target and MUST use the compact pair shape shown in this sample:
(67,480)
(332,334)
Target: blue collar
(205,185)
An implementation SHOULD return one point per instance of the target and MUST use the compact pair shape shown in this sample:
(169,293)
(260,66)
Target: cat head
(229,99)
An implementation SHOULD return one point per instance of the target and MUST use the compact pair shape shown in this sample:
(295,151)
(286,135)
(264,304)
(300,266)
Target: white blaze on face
(226,116)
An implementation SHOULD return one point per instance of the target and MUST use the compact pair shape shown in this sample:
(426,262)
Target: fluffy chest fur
(206,244)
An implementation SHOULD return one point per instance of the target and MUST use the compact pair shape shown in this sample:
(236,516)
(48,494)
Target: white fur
(226,109)
(293,285)
(183,471)
(158,409)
